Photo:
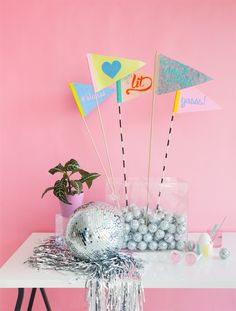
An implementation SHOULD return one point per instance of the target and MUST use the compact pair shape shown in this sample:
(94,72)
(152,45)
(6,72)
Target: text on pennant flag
(193,100)
(85,99)
(173,76)
(106,70)
(133,86)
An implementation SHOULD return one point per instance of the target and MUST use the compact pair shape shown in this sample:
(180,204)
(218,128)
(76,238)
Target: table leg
(45,299)
(19,299)
(31,301)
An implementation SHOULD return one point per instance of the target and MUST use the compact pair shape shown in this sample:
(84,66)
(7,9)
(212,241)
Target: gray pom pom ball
(159,234)
(131,245)
(142,245)
(147,237)
(162,245)
(143,229)
(153,245)
(224,253)
(137,237)
(152,228)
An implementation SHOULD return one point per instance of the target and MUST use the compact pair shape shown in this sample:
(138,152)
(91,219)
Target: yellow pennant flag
(106,70)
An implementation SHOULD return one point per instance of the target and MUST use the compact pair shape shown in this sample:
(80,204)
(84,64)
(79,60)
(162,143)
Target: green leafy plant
(67,186)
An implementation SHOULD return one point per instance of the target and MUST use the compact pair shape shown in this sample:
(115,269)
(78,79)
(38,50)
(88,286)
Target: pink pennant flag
(192,100)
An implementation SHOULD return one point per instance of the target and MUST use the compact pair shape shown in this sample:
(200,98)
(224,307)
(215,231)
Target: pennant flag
(105,70)
(85,97)
(173,76)
(192,100)
(133,86)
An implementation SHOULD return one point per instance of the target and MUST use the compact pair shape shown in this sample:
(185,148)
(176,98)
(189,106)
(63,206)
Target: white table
(159,272)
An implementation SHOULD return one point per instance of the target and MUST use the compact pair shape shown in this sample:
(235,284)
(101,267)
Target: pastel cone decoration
(173,76)
(85,99)
(106,70)
(133,86)
(192,100)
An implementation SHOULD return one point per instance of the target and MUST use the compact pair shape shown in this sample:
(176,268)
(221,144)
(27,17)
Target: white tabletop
(159,272)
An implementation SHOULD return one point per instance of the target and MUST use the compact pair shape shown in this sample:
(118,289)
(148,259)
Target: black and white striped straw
(175,109)
(123,156)
(165,159)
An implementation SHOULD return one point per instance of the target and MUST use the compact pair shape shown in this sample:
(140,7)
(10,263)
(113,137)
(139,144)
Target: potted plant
(70,191)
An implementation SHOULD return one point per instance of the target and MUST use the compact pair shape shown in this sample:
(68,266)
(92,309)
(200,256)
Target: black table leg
(45,299)
(31,301)
(19,299)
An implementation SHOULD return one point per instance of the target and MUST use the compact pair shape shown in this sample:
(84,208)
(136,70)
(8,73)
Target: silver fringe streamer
(113,283)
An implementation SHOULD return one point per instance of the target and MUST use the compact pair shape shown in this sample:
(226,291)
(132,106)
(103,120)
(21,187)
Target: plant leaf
(77,185)
(60,190)
(72,165)
(48,189)
(58,168)
(88,179)
(79,170)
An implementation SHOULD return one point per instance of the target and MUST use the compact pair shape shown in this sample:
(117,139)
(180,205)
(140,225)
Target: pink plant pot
(76,201)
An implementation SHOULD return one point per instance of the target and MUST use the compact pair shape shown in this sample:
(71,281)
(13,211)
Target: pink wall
(43,47)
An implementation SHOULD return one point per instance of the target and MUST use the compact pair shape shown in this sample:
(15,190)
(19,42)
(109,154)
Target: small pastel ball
(171,245)
(147,237)
(137,213)
(137,237)
(134,225)
(190,246)
(178,237)
(164,225)
(172,228)
(128,217)
(142,221)
(191,258)
(152,228)
(180,219)
(180,245)
(224,253)
(162,245)
(175,257)
(181,229)
(142,245)
(169,237)
(131,245)
(127,228)
(159,234)
(143,229)
(153,245)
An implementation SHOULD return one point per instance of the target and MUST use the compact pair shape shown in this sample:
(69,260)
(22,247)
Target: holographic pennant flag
(132,86)
(106,70)
(192,100)
(173,75)
(85,97)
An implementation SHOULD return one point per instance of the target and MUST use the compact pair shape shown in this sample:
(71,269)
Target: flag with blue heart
(106,70)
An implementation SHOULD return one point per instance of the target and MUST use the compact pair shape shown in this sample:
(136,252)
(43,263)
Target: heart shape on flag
(111,69)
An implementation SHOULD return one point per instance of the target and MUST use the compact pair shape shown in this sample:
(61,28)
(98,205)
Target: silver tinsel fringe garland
(113,283)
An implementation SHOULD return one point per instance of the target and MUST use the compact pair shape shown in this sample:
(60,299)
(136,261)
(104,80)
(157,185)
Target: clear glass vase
(149,228)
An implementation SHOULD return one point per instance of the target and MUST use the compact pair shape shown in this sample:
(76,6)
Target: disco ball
(95,229)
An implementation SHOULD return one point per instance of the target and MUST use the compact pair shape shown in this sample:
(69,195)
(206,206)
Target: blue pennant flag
(85,99)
